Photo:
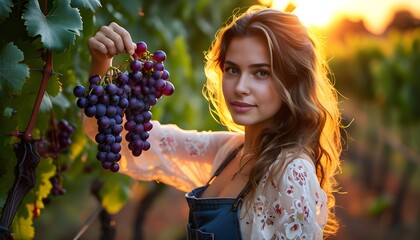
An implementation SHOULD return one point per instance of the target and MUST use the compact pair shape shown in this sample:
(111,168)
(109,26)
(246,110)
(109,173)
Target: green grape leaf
(80,144)
(58,29)
(5,9)
(12,72)
(115,192)
(45,170)
(46,104)
(24,104)
(54,86)
(22,226)
(88,4)
(8,112)
(33,55)
(61,101)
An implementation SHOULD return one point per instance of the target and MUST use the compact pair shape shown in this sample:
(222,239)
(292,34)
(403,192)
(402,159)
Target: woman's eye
(231,70)
(263,73)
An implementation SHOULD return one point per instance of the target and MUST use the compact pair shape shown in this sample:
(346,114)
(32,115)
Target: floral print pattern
(167,143)
(195,147)
(292,206)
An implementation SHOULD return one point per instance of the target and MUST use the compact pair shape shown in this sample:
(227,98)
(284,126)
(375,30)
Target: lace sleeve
(180,158)
(292,206)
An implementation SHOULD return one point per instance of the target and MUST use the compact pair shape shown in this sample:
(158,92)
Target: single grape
(135,65)
(157,74)
(111,89)
(90,111)
(147,126)
(138,129)
(118,119)
(160,84)
(111,111)
(106,164)
(79,91)
(97,90)
(115,167)
(159,56)
(95,79)
(115,99)
(100,137)
(121,79)
(103,122)
(146,145)
(101,156)
(136,76)
(123,103)
(100,110)
(159,66)
(165,74)
(137,152)
(115,147)
(82,102)
(148,65)
(141,48)
(169,89)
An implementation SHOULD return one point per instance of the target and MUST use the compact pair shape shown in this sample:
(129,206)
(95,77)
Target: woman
(272,175)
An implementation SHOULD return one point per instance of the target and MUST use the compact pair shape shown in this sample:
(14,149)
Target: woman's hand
(109,41)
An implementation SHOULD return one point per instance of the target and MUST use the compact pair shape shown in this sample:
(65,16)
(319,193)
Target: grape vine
(130,94)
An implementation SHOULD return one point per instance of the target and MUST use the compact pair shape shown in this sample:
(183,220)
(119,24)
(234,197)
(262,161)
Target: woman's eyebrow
(255,65)
(227,62)
(259,65)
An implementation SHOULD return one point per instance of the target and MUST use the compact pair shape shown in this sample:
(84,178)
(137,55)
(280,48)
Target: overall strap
(225,163)
(240,196)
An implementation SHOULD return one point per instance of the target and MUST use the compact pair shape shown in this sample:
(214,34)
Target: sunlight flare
(312,13)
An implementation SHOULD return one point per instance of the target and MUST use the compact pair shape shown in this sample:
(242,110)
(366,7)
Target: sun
(317,13)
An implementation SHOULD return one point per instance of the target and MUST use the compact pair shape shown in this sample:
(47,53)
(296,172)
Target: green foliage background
(183,29)
(381,76)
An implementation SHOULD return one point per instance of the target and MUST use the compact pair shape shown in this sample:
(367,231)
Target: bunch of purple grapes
(65,130)
(131,94)
(57,188)
(57,140)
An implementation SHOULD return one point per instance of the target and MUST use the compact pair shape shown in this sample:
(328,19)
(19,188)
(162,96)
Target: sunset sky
(375,13)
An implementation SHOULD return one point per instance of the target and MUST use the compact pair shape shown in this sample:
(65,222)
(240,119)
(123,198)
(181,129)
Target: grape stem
(108,75)
(47,72)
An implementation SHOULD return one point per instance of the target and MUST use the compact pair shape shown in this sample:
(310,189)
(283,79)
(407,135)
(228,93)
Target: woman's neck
(250,139)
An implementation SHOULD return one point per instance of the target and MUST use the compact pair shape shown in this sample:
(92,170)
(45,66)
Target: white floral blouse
(291,206)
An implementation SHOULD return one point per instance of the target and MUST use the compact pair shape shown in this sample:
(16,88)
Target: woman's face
(247,83)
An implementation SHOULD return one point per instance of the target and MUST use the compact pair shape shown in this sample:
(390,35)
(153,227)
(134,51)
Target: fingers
(126,43)
(111,40)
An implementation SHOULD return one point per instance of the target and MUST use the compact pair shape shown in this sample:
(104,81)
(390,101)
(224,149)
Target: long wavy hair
(309,120)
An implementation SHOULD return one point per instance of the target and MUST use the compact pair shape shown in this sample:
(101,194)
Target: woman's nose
(242,85)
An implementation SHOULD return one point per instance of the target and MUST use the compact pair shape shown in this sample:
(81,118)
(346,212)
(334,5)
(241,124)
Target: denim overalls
(214,218)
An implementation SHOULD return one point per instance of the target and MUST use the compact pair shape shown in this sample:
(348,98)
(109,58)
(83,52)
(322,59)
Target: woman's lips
(241,107)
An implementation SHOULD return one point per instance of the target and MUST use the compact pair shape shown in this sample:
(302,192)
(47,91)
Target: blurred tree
(403,21)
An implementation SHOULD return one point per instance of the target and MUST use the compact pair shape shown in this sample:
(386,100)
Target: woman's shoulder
(226,146)
(285,161)
(293,174)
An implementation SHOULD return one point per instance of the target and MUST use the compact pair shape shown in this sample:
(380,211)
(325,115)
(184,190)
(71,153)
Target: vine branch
(47,72)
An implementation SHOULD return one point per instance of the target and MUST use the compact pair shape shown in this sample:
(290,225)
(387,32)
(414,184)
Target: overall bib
(214,218)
